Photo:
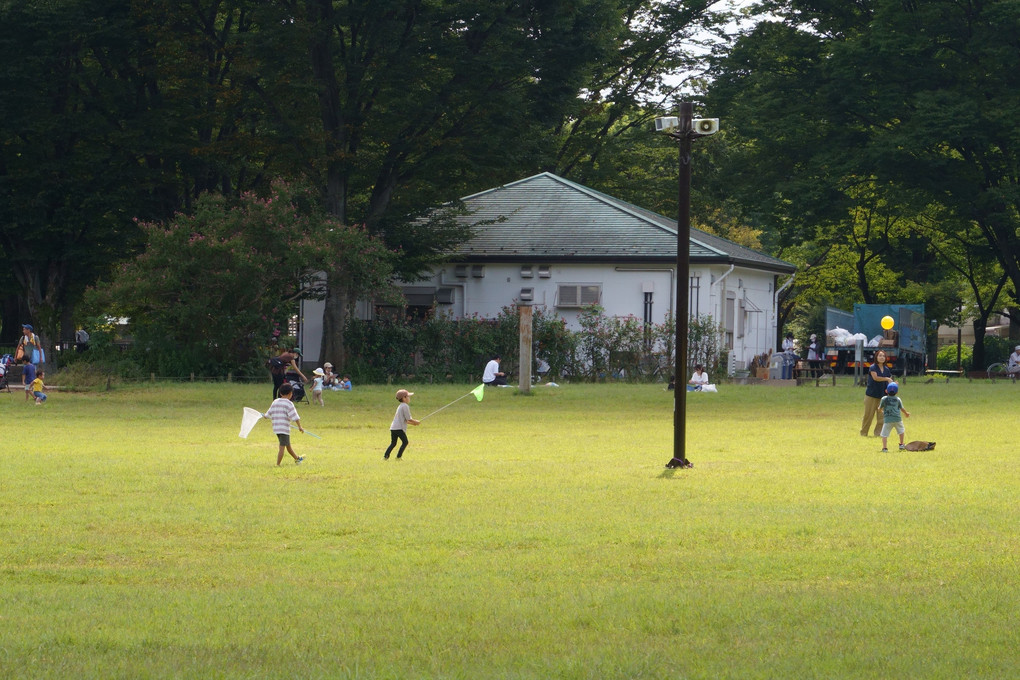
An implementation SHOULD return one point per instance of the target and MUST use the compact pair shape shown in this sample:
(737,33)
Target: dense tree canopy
(210,287)
(878,109)
(872,142)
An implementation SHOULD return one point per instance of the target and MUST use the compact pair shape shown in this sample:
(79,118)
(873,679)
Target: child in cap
(398,429)
(317,384)
(891,407)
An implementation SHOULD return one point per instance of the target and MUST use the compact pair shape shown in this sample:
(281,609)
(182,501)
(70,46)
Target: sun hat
(1017,348)
(328,365)
(318,371)
(403,393)
(814,337)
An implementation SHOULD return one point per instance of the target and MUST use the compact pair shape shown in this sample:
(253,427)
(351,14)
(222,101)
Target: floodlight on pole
(684,128)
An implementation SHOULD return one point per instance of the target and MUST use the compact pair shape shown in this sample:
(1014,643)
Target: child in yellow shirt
(37,389)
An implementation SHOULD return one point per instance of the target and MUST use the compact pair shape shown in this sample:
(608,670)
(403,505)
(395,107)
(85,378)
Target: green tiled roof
(548,218)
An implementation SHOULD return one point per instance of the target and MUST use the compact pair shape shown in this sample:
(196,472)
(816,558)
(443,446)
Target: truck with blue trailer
(905,344)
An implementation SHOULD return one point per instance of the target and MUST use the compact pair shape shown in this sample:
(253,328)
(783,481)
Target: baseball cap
(403,393)
(892,388)
(28,326)
(328,365)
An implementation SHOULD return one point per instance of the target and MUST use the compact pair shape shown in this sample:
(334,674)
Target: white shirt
(787,345)
(1014,360)
(812,351)
(491,369)
(699,378)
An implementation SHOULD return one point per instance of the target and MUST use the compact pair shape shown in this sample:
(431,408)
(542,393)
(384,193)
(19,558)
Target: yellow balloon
(888,322)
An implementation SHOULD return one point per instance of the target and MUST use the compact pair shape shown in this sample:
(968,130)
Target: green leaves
(216,282)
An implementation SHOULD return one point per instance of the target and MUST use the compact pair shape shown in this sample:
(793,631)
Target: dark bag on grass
(920,446)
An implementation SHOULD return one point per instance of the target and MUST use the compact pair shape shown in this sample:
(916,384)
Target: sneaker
(903,447)
(298,461)
(885,450)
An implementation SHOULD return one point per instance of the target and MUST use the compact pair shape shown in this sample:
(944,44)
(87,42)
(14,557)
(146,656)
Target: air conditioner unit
(478,271)
(527,271)
(460,271)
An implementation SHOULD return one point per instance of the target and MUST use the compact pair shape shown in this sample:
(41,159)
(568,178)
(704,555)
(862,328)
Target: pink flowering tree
(210,288)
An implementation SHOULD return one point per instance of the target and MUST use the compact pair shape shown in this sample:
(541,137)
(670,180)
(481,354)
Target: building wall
(740,298)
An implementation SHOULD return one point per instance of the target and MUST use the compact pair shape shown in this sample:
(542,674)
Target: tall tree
(207,290)
(114,111)
(420,101)
(911,96)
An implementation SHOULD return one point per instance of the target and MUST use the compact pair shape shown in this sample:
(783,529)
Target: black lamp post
(684,129)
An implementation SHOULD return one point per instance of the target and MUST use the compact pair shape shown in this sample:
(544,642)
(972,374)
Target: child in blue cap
(891,407)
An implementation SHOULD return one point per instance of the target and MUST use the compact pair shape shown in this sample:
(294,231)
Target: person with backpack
(29,347)
(279,365)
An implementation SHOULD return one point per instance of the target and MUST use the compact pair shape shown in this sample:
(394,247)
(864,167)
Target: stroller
(299,387)
(6,361)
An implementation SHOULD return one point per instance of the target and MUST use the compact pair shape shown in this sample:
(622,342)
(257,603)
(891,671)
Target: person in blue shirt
(891,407)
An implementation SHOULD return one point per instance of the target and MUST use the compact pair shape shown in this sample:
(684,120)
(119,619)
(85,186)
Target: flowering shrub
(440,348)
(213,289)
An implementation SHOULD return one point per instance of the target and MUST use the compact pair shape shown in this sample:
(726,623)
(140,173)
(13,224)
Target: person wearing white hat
(812,351)
(398,429)
(1013,367)
(320,375)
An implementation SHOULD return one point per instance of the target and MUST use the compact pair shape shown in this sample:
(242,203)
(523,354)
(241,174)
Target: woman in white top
(698,379)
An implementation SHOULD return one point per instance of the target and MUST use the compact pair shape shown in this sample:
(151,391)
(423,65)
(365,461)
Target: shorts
(41,396)
(887,428)
(284,439)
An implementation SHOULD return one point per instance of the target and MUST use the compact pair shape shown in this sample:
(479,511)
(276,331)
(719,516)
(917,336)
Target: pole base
(679,463)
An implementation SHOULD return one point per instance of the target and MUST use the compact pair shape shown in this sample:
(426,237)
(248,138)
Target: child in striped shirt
(282,412)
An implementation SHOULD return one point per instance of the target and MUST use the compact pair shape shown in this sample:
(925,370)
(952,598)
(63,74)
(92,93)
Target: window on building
(692,307)
(648,321)
(578,294)
(729,319)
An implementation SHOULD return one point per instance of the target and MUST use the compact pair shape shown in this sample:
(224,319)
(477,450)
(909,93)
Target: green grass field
(522,537)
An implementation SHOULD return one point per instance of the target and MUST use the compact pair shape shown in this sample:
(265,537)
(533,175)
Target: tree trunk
(334,320)
(978,362)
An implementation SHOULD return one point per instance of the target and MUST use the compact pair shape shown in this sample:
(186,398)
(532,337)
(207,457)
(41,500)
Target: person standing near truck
(879,376)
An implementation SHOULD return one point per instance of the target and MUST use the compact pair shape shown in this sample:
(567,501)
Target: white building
(568,246)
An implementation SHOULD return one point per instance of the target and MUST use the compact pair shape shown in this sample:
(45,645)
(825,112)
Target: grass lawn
(521,537)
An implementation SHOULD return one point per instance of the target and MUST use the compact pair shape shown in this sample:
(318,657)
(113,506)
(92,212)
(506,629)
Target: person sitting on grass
(1013,365)
(282,413)
(38,388)
(492,376)
(698,379)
